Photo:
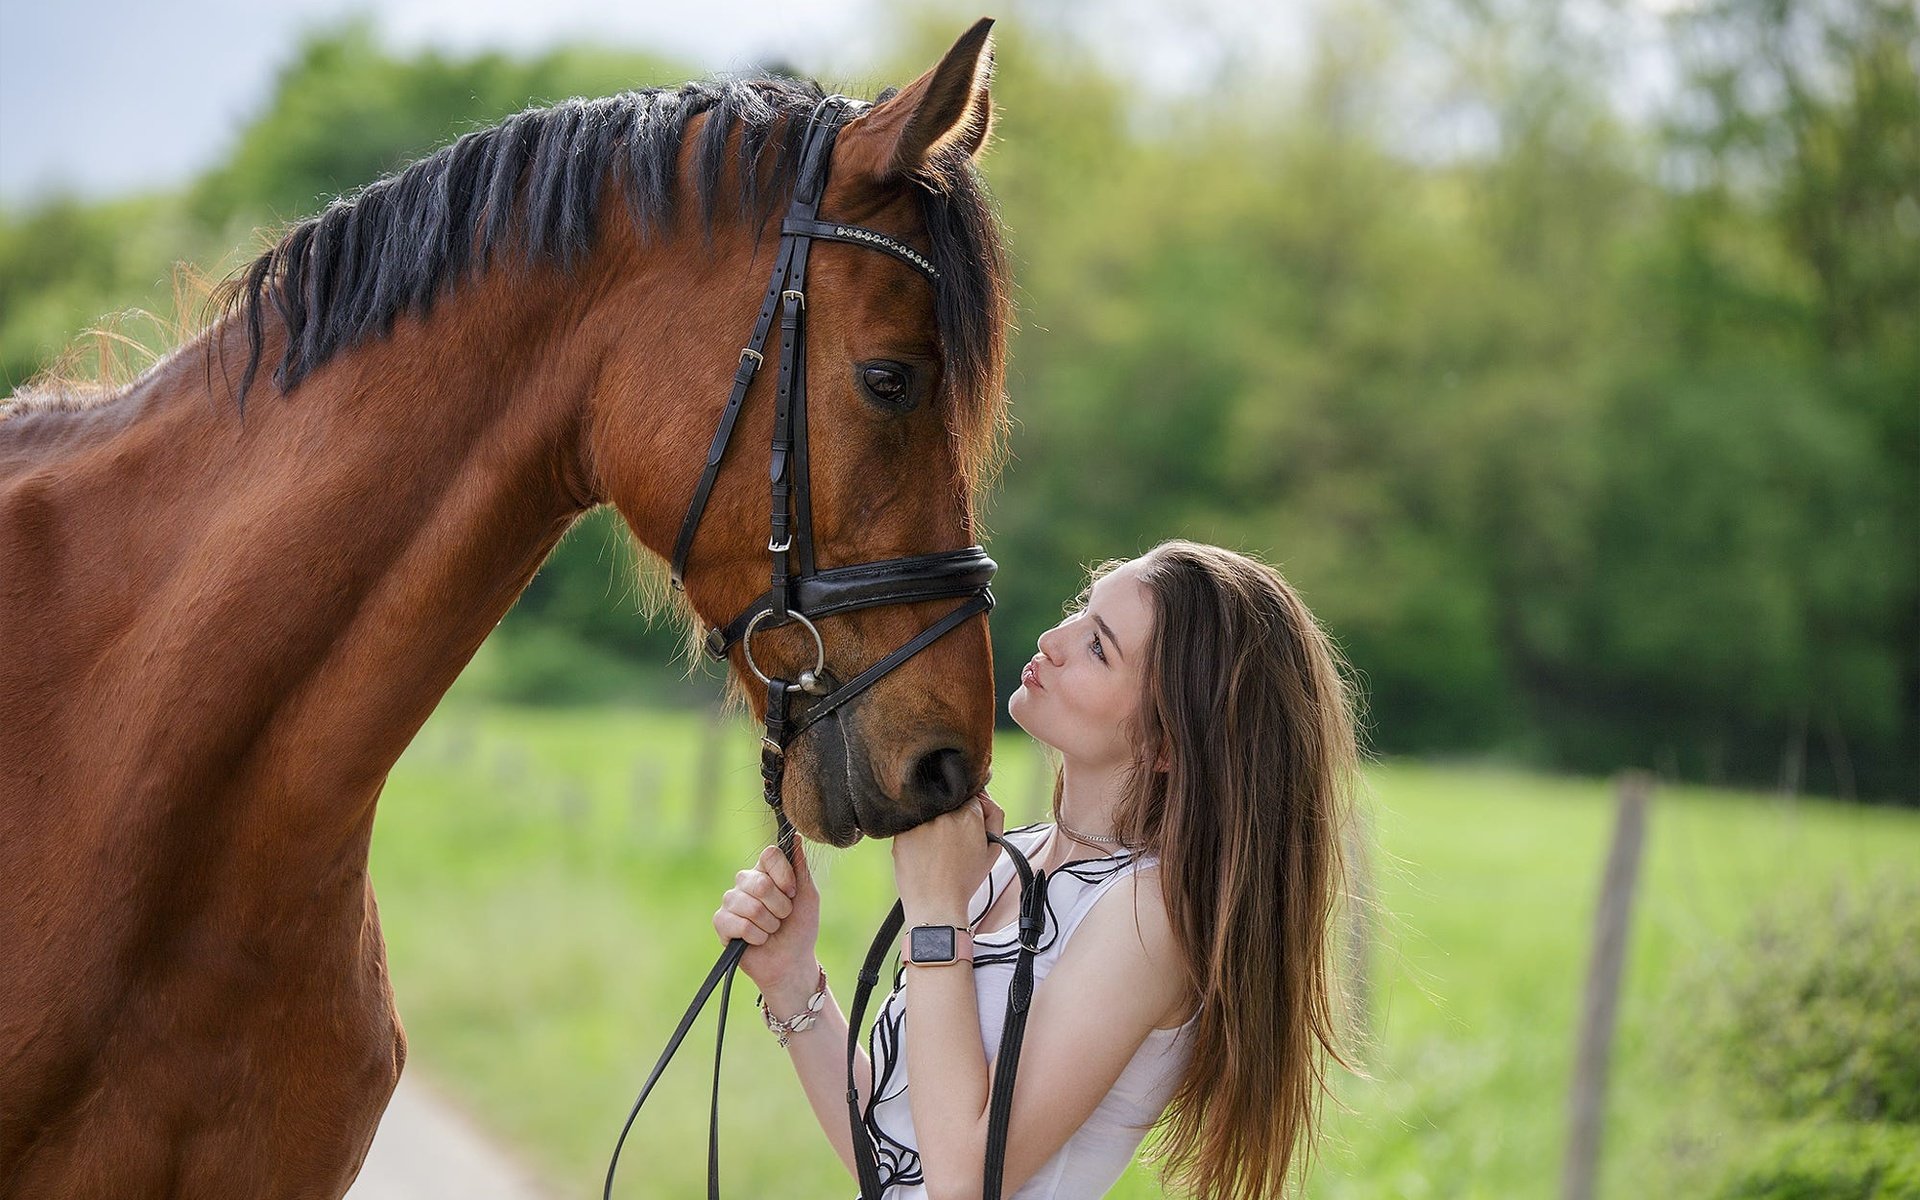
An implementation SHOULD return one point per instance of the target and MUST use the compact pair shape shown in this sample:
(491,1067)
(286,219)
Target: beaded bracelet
(799,1021)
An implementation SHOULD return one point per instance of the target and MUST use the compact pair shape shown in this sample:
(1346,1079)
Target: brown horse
(224,612)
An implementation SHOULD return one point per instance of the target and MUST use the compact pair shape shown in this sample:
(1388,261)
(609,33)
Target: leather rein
(799,593)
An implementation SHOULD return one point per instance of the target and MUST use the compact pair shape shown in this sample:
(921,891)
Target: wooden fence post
(706,781)
(643,788)
(1587,1103)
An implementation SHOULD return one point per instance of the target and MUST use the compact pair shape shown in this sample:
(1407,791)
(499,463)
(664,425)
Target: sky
(104,97)
(111,96)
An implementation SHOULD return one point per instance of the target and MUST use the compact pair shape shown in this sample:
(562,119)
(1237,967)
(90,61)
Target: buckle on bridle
(799,298)
(748,352)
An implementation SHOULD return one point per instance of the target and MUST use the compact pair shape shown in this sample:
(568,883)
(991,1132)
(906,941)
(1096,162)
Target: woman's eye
(1099,652)
(889,384)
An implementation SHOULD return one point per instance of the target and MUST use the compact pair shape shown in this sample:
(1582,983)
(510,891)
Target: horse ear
(948,108)
(979,119)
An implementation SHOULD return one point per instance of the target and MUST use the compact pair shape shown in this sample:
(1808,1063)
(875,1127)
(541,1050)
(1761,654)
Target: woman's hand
(777,909)
(937,866)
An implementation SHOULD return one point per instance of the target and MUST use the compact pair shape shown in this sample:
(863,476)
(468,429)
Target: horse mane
(531,186)
(102,363)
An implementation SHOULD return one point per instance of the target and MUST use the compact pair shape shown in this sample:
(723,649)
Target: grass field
(546,880)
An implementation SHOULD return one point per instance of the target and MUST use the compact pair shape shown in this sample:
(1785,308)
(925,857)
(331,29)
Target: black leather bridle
(800,593)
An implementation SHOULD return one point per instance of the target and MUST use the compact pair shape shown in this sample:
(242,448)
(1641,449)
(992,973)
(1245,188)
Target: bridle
(801,593)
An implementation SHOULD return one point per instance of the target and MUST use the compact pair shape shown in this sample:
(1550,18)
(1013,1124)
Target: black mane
(532,184)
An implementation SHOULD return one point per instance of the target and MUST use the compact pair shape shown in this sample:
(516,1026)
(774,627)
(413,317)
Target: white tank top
(1099,1151)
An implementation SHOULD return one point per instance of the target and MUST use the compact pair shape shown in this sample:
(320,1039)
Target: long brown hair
(1249,702)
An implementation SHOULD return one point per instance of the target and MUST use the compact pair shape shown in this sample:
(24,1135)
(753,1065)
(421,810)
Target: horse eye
(889,384)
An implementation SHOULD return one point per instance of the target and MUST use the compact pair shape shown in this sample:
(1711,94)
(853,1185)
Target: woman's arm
(819,1057)
(776,908)
(1115,981)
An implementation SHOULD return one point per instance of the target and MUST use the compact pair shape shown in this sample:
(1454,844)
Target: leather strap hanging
(1033,923)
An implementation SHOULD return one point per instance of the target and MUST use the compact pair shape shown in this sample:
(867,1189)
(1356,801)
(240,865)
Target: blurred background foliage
(1801,1034)
(1594,436)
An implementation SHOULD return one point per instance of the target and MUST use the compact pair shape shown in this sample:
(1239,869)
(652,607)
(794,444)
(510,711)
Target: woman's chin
(1016,706)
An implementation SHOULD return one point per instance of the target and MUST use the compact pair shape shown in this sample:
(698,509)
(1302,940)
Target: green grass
(546,881)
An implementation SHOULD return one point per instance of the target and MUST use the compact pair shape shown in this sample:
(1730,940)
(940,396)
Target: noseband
(801,593)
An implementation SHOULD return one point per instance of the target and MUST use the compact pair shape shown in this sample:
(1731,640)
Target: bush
(1818,1012)
(1801,1043)
(1831,1162)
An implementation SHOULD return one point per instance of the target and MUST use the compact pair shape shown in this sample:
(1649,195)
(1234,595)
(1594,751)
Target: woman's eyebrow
(1104,628)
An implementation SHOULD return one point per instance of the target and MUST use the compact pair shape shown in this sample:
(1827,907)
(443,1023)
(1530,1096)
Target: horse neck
(276,602)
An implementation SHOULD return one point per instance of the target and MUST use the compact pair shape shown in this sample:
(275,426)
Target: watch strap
(962,941)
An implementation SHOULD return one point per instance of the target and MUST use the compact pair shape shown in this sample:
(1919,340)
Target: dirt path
(427,1150)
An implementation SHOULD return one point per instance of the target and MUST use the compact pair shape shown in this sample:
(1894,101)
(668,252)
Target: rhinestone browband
(855,233)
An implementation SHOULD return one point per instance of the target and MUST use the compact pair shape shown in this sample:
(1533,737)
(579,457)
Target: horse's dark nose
(938,782)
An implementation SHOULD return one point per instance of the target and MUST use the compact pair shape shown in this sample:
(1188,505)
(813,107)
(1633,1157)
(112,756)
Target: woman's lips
(1031,677)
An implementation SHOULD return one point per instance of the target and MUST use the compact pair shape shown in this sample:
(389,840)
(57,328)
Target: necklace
(1089,838)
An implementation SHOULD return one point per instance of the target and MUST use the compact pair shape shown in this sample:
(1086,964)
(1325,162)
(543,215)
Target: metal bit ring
(809,681)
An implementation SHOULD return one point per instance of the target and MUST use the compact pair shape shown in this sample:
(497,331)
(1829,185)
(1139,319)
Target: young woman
(1206,742)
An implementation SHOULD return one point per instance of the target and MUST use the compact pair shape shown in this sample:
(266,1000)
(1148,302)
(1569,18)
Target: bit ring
(808,679)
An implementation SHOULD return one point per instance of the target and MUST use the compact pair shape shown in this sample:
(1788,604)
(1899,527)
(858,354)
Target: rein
(800,591)
(1033,921)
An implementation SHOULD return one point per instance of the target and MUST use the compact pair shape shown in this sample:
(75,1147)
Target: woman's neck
(1090,796)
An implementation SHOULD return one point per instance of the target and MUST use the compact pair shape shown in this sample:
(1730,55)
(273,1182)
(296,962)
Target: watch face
(932,943)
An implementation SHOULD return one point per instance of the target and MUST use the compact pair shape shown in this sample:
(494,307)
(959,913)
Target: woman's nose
(1047,642)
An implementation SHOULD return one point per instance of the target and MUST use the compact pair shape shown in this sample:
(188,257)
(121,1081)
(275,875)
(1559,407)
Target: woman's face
(1080,693)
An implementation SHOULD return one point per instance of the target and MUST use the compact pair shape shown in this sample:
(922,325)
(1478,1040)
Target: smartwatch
(936,946)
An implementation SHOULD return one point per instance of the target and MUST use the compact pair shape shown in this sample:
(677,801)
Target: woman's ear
(948,108)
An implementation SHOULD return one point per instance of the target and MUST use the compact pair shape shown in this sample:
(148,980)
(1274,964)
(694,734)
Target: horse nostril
(939,780)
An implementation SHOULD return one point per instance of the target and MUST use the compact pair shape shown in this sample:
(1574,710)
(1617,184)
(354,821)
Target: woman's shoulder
(1135,892)
(1130,922)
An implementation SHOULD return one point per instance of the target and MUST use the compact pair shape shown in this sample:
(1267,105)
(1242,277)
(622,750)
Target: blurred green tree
(1593,442)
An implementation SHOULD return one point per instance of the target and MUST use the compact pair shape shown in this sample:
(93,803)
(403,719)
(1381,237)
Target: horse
(226,609)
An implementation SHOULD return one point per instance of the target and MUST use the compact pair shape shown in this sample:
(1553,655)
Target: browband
(860,235)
